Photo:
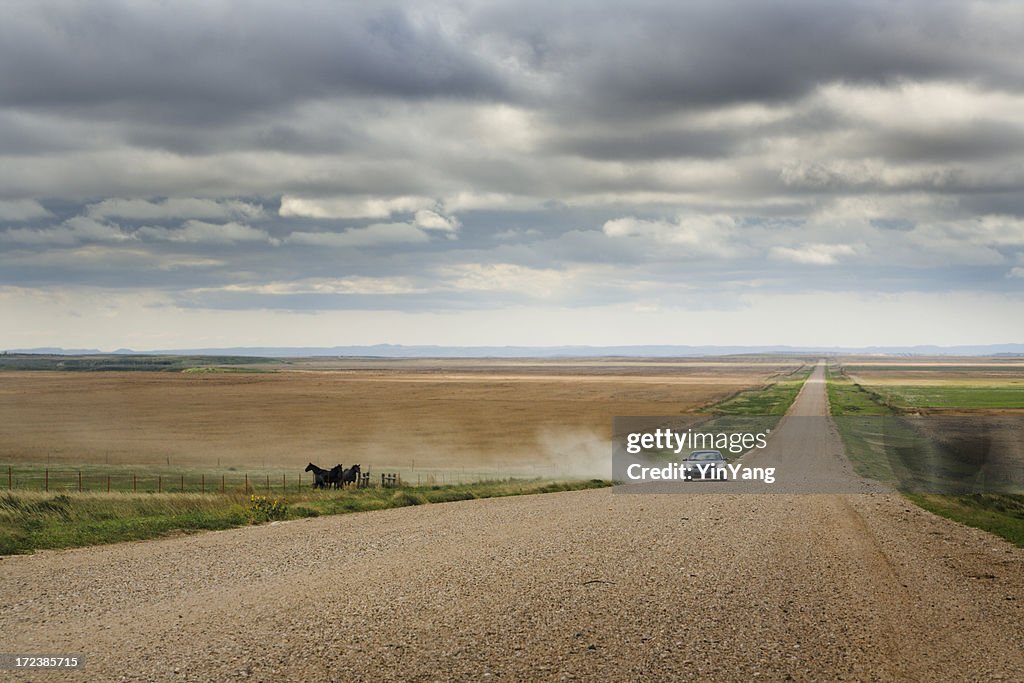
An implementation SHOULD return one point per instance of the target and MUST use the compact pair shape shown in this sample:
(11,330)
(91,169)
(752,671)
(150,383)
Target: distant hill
(668,351)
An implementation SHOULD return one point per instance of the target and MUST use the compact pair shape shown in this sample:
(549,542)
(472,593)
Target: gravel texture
(589,585)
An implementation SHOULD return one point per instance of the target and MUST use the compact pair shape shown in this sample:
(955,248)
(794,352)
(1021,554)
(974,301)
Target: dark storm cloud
(610,145)
(265,134)
(203,62)
(650,57)
(982,140)
(414,156)
(210,61)
(205,78)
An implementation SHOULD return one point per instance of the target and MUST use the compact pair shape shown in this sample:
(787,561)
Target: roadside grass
(846,397)
(32,521)
(771,400)
(864,437)
(873,444)
(999,514)
(755,410)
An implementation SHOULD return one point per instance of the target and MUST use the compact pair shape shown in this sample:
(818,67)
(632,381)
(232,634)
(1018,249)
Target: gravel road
(589,585)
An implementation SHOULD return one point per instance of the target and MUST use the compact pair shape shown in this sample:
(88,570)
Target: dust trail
(576,454)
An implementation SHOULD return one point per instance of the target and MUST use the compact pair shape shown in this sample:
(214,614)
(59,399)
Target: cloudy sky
(212,173)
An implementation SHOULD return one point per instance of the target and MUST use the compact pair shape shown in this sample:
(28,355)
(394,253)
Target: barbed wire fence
(139,480)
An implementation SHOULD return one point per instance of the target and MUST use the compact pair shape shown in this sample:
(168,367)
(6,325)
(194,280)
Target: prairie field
(536,417)
(944,385)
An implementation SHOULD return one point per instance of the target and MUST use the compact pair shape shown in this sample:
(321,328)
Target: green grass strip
(1000,514)
(32,521)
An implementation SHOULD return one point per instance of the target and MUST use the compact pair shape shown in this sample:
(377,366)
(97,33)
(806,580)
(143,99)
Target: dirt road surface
(590,585)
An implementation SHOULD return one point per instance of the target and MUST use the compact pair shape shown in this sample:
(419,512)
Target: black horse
(334,476)
(350,476)
(320,476)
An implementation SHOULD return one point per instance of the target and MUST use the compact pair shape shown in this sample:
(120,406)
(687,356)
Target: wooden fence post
(135,483)
(222,483)
(268,484)
(284,484)
(79,481)
(108,483)
(10,478)
(46,480)
(202,482)
(159,483)
(247,482)
(183,483)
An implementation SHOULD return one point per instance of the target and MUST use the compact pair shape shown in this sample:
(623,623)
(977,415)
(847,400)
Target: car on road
(705,465)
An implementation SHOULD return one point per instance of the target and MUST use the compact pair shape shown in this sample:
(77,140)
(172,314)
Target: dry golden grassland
(426,413)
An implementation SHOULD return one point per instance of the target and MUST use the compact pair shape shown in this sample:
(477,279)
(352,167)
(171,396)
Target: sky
(209,174)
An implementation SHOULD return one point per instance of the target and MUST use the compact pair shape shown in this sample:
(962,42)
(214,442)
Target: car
(705,465)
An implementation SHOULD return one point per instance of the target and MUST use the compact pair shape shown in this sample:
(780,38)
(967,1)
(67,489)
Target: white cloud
(997,230)
(510,277)
(352,207)
(472,201)
(857,210)
(504,127)
(707,234)
(142,210)
(814,254)
(1016,272)
(107,257)
(200,232)
(379,233)
(916,105)
(980,241)
(71,232)
(431,220)
(22,210)
(345,285)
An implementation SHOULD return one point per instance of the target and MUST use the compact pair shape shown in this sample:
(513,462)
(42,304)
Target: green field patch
(943,369)
(951,397)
